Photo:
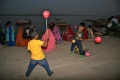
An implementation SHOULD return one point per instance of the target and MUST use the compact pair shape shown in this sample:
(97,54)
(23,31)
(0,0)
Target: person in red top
(68,34)
(85,32)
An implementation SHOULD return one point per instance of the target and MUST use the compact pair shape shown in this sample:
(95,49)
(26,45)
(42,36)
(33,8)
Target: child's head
(81,26)
(33,27)
(8,23)
(33,34)
(89,26)
(27,27)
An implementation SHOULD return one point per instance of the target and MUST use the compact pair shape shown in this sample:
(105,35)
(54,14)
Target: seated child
(90,32)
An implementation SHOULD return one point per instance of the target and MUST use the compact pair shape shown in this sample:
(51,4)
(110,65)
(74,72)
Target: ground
(102,64)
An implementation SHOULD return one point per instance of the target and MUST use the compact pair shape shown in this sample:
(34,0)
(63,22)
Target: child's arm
(80,38)
(28,48)
(29,51)
(46,42)
(77,35)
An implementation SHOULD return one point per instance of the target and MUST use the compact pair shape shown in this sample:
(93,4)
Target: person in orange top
(37,55)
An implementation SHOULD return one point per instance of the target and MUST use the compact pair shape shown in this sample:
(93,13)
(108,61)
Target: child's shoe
(81,56)
(71,52)
(27,75)
(51,73)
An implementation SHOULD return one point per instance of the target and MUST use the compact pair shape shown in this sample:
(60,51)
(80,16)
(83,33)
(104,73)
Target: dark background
(70,11)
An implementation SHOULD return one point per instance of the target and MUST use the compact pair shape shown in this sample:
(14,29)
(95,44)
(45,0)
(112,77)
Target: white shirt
(115,20)
(27,31)
(109,25)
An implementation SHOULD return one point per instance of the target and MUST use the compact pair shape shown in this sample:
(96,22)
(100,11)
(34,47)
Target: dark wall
(83,7)
(71,11)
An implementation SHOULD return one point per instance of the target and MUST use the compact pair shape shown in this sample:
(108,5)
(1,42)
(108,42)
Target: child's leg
(45,64)
(73,45)
(80,47)
(31,66)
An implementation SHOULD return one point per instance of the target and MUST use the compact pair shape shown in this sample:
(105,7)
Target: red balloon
(87,54)
(98,39)
(46,14)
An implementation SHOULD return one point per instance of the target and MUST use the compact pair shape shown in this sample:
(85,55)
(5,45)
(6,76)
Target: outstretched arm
(29,51)
(80,38)
(46,42)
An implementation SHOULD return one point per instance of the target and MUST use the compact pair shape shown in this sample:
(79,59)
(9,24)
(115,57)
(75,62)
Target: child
(90,32)
(37,55)
(78,39)
(33,27)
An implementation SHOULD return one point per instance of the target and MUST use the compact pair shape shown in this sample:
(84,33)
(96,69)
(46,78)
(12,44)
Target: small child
(37,55)
(78,39)
(90,32)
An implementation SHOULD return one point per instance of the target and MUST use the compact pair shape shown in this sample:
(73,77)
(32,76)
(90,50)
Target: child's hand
(47,37)
(80,38)
(73,41)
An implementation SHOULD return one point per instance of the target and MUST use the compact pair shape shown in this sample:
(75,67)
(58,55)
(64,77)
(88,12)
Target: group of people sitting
(8,38)
(52,31)
(8,34)
(113,24)
(22,37)
(87,33)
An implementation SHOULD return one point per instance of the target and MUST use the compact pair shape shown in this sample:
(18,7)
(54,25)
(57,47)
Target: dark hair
(32,33)
(112,17)
(51,26)
(82,24)
(89,26)
(27,27)
(8,22)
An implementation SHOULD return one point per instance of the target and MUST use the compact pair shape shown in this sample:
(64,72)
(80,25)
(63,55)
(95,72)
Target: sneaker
(71,52)
(81,56)
(26,75)
(51,73)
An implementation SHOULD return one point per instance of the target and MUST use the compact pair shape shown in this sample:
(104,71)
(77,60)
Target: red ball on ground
(87,54)
(98,39)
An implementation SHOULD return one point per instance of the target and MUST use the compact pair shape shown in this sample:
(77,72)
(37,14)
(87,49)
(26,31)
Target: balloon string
(46,27)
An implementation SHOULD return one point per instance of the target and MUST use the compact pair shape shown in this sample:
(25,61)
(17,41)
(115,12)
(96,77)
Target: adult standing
(9,32)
